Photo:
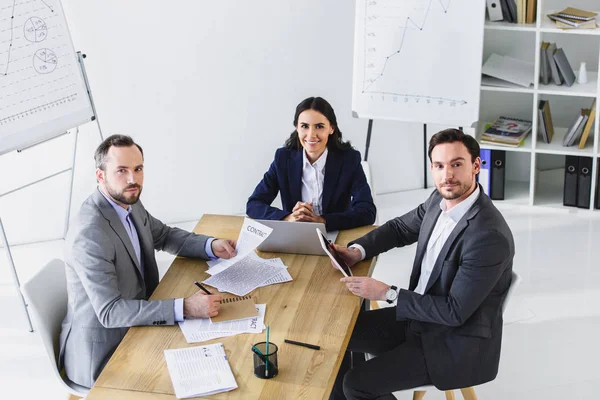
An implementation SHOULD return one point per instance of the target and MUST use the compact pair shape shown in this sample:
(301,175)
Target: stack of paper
(573,18)
(505,131)
(200,371)
(247,271)
(202,329)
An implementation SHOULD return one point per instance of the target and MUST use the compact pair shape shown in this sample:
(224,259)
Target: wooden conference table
(314,308)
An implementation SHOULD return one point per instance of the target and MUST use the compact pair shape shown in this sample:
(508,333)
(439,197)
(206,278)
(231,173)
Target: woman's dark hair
(321,105)
(454,135)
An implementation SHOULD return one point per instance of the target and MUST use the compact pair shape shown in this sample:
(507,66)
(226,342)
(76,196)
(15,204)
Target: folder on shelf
(581,25)
(512,10)
(553,68)
(497,175)
(571,179)
(542,130)
(588,125)
(584,182)
(484,176)
(544,63)
(597,202)
(531,9)
(494,10)
(575,129)
(564,67)
(547,115)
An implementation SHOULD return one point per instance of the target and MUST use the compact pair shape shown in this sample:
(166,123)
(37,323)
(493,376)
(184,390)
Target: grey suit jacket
(105,287)
(459,317)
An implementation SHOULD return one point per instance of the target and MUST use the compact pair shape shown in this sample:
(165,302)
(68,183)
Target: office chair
(467,393)
(367,169)
(46,297)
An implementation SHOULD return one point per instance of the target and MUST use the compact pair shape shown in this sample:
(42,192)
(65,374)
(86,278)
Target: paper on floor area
(201,329)
(251,235)
(199,371)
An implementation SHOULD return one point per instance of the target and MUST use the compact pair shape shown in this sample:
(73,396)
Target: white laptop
(294,237)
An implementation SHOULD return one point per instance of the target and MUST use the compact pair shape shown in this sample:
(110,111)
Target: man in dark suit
(446,329)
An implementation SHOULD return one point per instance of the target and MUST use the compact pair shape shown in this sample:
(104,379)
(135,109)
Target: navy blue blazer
(347,200)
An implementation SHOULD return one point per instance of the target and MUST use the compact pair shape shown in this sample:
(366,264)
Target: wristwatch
(391,295)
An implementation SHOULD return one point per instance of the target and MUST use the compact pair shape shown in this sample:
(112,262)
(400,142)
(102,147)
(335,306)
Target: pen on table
(202,287)
(310,346)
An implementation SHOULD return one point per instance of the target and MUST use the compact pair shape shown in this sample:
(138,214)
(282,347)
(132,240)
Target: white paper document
(283,276)
(251,235)
(199,371)
(243,276)
(202,329)
(509,69)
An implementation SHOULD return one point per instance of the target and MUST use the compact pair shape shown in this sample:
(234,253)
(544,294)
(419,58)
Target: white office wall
(209,90)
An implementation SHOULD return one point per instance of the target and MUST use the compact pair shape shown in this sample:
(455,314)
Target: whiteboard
(42,89)
(418,60)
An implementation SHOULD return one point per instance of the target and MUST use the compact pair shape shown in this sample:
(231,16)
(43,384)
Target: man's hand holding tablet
(343,258)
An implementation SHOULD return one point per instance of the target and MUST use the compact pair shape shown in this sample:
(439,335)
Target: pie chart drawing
(35,30)
(44,61)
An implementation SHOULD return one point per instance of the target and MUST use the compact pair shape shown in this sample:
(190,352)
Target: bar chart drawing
(418,60)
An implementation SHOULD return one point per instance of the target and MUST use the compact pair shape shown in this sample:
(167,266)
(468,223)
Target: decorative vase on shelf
(582,76)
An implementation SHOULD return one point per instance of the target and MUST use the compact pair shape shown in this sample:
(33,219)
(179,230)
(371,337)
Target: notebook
(236,308)
(575,13)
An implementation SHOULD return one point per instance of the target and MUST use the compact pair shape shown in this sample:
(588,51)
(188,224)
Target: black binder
(570,189)
(584,184)
(497,175)
(597,203)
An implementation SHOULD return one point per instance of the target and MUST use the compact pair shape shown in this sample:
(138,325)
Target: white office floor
(549,350)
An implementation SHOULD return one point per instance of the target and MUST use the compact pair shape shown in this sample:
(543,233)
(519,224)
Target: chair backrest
(367,169)
(516,280)
(46,297)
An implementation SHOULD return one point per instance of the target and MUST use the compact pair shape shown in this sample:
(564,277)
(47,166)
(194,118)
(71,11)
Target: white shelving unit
(535,170)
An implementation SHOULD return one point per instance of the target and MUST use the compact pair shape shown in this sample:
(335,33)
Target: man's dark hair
(321,105)
(454,135)
(114,140)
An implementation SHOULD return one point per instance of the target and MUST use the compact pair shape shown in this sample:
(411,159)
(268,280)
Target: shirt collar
(320,163)
(121,212)
(459,210)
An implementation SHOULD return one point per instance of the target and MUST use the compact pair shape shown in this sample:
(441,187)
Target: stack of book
(580,128)
(573,18)
(510,132)
(554,65)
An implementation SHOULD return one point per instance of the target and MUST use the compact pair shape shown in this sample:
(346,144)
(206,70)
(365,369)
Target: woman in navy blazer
(315,148)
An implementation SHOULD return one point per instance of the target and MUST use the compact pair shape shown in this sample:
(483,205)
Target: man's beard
(455,194)
(120,197)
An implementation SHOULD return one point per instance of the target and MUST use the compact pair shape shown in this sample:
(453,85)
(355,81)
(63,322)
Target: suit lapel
(458,229)
(295,176)
(111,215)
(333,167)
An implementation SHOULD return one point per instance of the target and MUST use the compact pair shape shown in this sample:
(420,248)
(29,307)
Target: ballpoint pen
(202,287)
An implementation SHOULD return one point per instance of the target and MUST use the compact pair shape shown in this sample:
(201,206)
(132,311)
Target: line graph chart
(418,60)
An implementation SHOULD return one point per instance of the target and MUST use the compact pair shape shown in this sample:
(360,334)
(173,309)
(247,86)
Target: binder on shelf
(542,130)
(584,182)
(564,67)
(544,63)
(494,10)
(485,172)
(547,115)
(597,202)
(531,8)
(575,129)
(553,68)
(497,174)
(571,180)
(588,125)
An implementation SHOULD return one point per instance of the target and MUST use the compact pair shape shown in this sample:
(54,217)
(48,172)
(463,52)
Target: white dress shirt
(313,176)
(444,226)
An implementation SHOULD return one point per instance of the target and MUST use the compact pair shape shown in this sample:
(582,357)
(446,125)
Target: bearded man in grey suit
(111,268)
(446,329)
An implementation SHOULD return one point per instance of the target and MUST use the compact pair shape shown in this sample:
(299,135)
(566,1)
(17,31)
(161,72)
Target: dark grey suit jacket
(106,291)
(459,317)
